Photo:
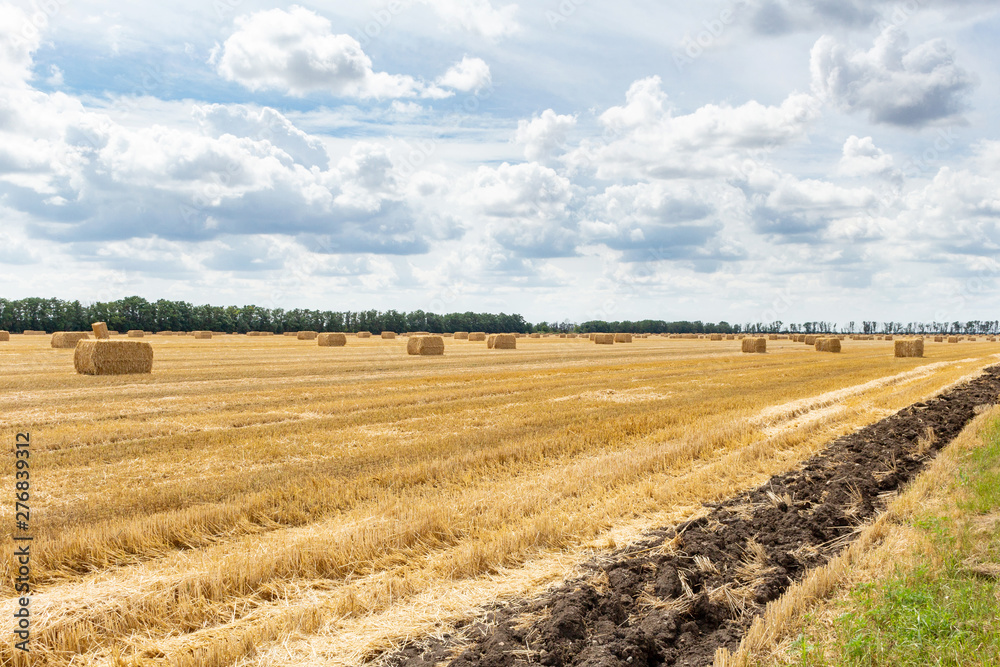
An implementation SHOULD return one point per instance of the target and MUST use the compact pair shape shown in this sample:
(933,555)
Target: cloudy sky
(745,160)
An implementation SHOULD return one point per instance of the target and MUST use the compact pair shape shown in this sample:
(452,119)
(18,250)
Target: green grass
(938,612)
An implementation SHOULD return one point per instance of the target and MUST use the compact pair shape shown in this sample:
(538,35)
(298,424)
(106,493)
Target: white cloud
(543,137)
(894,85)
(643,138)
(862,158)
(262,125)
(19,38)
(477,16)
(297,52)
(469,75)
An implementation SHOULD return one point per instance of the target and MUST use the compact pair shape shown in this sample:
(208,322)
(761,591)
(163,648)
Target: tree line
(135,312)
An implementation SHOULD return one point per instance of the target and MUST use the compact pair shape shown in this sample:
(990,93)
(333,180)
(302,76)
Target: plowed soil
(677,596)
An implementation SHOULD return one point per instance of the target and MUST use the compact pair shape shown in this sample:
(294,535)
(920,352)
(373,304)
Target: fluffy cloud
(862,158)
(543,137)
(471,74)
(262,124)
(895,85)
(644,139)
(19,38)
(777,17)
(297,52)
(477,16)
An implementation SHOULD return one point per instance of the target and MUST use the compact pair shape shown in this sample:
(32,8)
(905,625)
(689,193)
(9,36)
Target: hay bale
(113,357)
(828,345)
(623,338)
(809,340)
(461,335)
(4,336)
(952,339)
(425,345)
(562,335)
(364,334)
(203,335)
(388,335)
(477,337)
(306,335)
(135,333)
(754,345)
(730,336)
(331,339)
(534,335)
(972,339)
(572,335)
(715,337)
(65,340)
(502,342)
(909,348)
(603,338)
(887,338)
(100,330)
(290,333)
(32,332)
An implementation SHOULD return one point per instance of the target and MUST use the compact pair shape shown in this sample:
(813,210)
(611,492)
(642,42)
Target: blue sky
(747,160)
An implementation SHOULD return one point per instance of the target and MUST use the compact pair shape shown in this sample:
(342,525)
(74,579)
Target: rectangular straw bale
(461,335)
(135,333)
(715,337)
(307,335)
(572,335)
(113,357)
(331,339)
(290,333)
(100,330)
(425,345)
(952,339)
(909,348)
(754,345)
(388,335)
(502,342)
(65,340)
(809,340)
(4,336)
(623,338)
(364,334)
(828,345)
(534,335)
(203,335)
(603,338)
(477,336)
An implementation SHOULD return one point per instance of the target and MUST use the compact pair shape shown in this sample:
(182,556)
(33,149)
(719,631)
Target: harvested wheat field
(257,501)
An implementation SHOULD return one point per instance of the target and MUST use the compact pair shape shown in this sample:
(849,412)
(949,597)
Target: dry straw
(4,336)
(135,333)
(730,336)
(203,335)
(100,330)
(572,335)
(715,337)
(306,335)
(502,342)
(332,339)
(461,335)
(364,334)
(828,345)
(623,338)
(755,345)
(809,340)
(534,335)
(113,357)
(910,348)
(603,338)
(477,336)
(952,339)
(425,345)
(290,333)
(388,335)
(67,340)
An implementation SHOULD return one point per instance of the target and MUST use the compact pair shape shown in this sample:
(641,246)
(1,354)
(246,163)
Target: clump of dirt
(685,591)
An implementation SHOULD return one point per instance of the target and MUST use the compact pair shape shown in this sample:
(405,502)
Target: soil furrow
(683,592)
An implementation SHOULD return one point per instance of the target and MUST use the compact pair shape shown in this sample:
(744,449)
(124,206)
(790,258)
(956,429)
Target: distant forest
(135,312)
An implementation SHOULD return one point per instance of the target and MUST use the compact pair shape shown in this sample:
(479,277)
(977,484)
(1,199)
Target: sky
(744,160)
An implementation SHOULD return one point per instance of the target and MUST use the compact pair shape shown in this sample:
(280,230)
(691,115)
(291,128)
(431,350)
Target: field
(260,501)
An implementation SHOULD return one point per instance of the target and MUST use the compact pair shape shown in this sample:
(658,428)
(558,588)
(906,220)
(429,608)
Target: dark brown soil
(687,590)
